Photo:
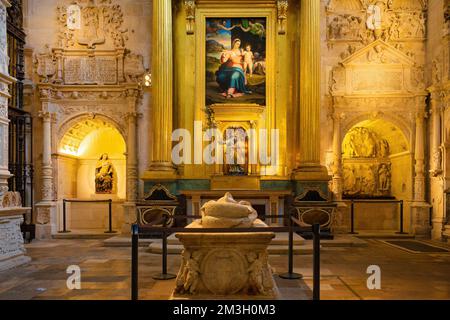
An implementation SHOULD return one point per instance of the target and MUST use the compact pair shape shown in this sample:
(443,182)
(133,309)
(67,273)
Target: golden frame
(257,11)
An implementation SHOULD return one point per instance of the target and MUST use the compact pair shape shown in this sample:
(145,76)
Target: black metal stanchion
(110,230)
(134,262)
(316,262)
(401,219)
(291,274)
(352,218)
(64,230)
(164,275)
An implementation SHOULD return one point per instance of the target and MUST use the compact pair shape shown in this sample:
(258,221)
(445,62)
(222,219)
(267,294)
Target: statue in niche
(104,175)
(384,148)
(236,151)
(384,178)
(367,180)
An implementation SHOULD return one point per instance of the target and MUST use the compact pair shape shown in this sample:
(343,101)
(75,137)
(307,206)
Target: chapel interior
(352,95)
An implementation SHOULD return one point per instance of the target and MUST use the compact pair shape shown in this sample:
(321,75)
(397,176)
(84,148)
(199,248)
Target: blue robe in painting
(231,77)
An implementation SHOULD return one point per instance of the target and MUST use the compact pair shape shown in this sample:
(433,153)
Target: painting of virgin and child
(236,60)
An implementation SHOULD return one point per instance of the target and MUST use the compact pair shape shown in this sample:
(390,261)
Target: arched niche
(377,162)
(84,172)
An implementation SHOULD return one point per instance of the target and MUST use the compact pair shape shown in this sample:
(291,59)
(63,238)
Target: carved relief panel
(366,164)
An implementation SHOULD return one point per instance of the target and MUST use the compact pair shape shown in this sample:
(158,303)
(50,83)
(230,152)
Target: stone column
(419,156)
(419,208)
(12,250)
(132,172)
(436,156)
(337,157)
(5,81)
(46,220)
(161,166)
(310,167)
(47,167)
(132,164)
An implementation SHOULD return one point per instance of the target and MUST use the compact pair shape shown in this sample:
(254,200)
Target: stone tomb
(226,265)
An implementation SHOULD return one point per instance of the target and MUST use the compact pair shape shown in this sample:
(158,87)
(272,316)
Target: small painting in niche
(104,175)
(236,60)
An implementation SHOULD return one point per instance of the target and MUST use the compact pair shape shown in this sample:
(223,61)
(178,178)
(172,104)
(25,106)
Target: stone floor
(105,273)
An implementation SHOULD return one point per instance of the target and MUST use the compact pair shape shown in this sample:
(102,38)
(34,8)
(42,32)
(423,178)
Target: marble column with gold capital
(310,167)
(161,166)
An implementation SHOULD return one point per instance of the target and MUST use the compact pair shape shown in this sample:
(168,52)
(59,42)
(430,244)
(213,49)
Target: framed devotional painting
(235,61)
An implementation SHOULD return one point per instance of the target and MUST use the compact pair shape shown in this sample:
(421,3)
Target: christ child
(248,60)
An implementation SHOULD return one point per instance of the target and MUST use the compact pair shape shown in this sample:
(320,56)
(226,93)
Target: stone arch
(76,172)
(70,122)
(401,124)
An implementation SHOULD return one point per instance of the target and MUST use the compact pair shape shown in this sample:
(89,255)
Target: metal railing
(108,201)
(352,213)
(141,230)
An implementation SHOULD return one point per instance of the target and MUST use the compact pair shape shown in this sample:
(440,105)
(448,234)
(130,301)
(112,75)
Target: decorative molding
(282,7)
(189,7)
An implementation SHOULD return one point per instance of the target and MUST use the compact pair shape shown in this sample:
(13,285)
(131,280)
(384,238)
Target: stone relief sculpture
(367,169)
(46,65)
(88,26)
(104,175)
(10,199)
(369,20)
(367,180)
(189,273)
(93,29)
(101,22)
(361,142)
(133,67)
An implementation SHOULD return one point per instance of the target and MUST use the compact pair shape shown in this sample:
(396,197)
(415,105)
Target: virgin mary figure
(231,76)
(104,172)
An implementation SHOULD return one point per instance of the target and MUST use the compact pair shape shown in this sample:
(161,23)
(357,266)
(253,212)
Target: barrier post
(64,230)
(316,262)
(110,230)
(352,218)
(164,275)
(401,218)
(291,274)
(134,262)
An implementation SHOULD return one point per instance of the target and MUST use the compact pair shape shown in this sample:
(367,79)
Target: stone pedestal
(225,265)
(12,249)
(46,221)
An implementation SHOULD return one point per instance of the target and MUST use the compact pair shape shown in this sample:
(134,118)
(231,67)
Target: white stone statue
(228,213)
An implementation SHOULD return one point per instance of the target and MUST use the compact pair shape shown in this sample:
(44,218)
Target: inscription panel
(90,70)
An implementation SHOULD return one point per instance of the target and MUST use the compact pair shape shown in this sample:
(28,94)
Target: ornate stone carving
(11,240)
(10,200)
(133,67)
(101,23)
(367,179)
(361,142)
(282,7)
(45,65)
(370,20)
(189,6)
(43,215)
(345,27)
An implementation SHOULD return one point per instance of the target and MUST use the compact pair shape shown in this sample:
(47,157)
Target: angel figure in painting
(104,173)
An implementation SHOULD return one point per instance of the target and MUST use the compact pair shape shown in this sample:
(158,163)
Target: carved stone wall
(375,68)
(366,164)
(88,62)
